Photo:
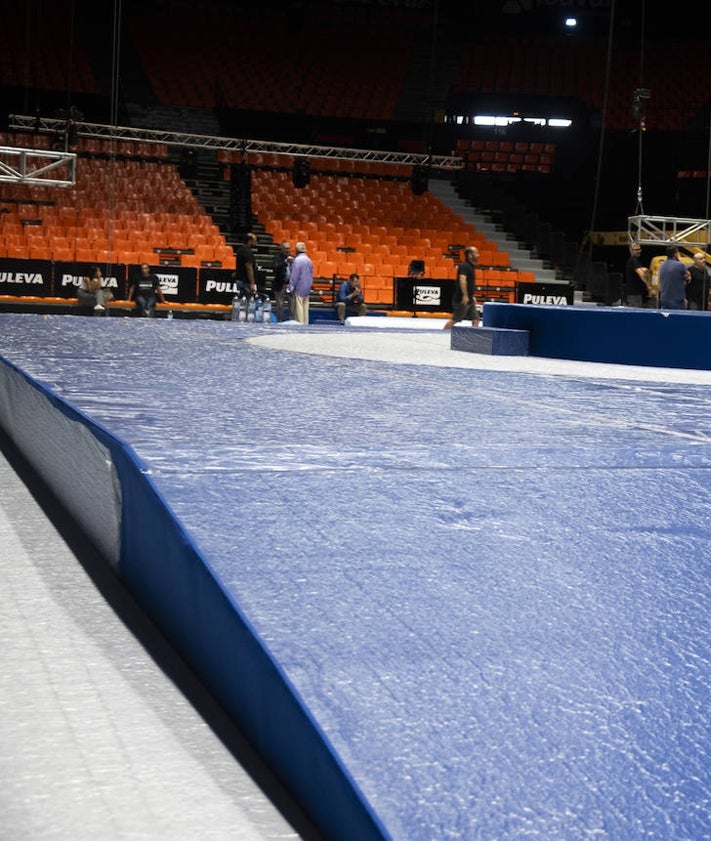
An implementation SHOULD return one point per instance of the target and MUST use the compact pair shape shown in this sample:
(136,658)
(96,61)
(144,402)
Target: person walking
(464,297)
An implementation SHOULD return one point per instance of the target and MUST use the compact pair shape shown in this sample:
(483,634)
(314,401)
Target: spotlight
(419,180)
(301,174)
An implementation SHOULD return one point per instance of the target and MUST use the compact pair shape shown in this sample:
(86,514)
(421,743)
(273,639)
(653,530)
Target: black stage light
(302,172)
(419,180)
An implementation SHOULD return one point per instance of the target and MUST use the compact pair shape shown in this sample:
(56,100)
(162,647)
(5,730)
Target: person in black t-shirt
(464,298)
(697,289)
(282,268)
(146,291)
(636,292)
(246,274)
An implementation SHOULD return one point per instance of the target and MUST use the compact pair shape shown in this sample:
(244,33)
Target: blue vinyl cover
(489,591)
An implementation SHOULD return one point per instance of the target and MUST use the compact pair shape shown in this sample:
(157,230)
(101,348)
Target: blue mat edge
(165,572)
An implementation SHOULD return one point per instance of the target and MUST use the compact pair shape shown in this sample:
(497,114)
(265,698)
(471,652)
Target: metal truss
(668,230)
(37,166)
(202,141)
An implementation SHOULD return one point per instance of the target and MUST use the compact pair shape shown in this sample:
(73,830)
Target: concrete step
(519,256)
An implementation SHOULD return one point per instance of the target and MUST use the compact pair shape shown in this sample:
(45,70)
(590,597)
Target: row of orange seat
(492,285)
(490,155)
(375,237)
(351,224)
(118,210)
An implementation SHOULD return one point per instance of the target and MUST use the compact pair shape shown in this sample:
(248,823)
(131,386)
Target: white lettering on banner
(20,277)
(427,294)
(220,286)
(558,300)
(74,280)
(168,283)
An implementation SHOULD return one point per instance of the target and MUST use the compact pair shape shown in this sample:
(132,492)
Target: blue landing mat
(491,591)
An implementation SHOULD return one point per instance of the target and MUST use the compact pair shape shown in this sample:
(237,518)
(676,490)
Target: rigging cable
(606,91)
(70,59)
(113,120)
(640,115)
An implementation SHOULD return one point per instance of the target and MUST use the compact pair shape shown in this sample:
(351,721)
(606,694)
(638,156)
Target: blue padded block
(496,341)
(622,335)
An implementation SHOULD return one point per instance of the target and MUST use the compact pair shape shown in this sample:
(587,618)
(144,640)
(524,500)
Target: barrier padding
(96,474)
(627,336)
(494,341)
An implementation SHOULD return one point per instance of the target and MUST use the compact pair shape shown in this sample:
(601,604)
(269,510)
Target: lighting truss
(37,166)
(202,141)
(669,230)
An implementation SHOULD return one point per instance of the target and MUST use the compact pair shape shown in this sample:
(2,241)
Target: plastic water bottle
(267,311)
(242,313)
(170,314)
(234,315)
(251,307)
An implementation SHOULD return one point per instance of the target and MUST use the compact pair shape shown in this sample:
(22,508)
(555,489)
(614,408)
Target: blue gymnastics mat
(480,599)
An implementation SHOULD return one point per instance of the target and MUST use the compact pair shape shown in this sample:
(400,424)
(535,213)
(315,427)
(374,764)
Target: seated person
(146,290)
(91,291)
(349,298)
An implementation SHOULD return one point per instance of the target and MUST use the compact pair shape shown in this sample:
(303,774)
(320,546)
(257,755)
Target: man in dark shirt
(349,298)
(464,297)
(282,267)
(146,291)
(636,275)
(246,274)
(673,277)
(697,289)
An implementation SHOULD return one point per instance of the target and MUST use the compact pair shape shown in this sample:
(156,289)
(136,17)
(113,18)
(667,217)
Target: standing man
(697,289)
(300,281)
(636,278)
(246,274)
(463,299)
(349,298)
(145,291)
(282,269)
(673,277)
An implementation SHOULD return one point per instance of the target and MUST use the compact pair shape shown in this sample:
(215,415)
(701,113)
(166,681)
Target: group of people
(292,282)
(291,286)
(293,279)
(145,291)
(681,286)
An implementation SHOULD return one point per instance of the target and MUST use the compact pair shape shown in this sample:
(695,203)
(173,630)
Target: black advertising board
(68,276)
(424,295)
(553,294)
(25,277)
(216,286)
(179,283)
